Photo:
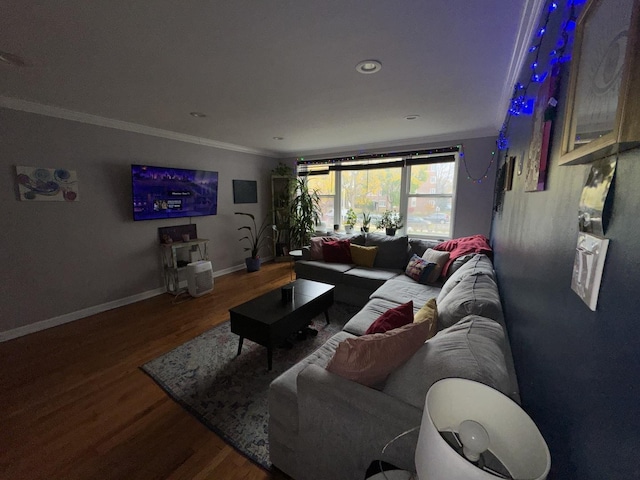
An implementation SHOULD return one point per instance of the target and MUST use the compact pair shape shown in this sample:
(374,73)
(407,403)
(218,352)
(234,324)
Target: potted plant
(366,220)
(305,213)
(390,221)
(257,237)
(350,221)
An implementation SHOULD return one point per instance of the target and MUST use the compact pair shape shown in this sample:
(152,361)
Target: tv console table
(172,264)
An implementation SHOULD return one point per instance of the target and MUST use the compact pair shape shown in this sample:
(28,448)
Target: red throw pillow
(392,318)
(338,251)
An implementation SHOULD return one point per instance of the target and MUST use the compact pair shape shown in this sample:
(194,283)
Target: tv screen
(164,192)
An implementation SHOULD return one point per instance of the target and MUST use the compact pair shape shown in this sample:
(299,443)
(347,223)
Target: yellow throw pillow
(363,256)
(428,313)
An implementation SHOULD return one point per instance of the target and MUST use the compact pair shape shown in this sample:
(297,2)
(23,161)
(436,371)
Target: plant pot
(253,264)
(348,228)
(364,229)
(391,231)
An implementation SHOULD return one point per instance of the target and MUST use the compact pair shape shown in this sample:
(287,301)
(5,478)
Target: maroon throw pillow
(392,318)
(338,251)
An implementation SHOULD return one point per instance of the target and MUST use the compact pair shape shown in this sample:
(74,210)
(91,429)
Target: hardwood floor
(75,405)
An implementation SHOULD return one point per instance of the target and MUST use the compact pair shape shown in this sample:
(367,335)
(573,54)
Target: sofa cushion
(473,295)
(439,258)
(459,262)
(393,318)
(363,256)
(401,291)
(357,239)
(315,245)
(368,278)
(369,313)
(337,251)
(478,264)
(283,400)
(369,359)
(472,349)
(392,251)
(418,269)
(418,246)
(321,271)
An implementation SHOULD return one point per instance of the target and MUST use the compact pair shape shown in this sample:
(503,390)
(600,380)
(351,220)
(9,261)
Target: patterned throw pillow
(419,269)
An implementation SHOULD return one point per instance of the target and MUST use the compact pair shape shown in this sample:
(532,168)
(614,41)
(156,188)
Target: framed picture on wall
(39,184)
(603,105)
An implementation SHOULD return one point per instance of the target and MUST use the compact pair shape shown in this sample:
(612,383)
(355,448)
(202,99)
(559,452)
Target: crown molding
(387,147)
(63,113)
(529,20)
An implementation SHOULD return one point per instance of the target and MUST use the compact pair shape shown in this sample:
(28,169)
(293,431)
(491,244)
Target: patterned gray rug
(228,393)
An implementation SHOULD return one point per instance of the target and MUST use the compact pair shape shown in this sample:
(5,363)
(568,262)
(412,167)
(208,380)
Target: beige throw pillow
(437,257)
(369,359)
(428,313)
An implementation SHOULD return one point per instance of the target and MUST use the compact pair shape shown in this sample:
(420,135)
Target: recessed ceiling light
(412,117)
(369,66)
(11,59)
(278,138)
(198,114)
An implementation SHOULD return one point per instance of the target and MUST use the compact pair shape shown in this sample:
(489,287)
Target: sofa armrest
(306,253)
(344,426)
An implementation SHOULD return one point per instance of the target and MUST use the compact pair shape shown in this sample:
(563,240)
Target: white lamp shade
(513,437)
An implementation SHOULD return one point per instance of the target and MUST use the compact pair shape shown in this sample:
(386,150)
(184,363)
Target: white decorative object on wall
(591,252)
(47,184)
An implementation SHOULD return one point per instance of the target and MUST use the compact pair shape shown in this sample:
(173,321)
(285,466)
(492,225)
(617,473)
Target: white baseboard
(86,312)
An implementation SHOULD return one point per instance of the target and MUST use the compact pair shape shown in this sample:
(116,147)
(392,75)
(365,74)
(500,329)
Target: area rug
(228,393)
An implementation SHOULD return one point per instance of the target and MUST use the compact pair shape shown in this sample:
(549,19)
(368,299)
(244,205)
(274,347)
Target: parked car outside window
(437,218)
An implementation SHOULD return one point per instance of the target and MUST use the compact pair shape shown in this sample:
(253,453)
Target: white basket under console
(199,278)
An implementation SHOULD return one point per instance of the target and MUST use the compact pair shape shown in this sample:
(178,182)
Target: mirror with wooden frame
(603,102)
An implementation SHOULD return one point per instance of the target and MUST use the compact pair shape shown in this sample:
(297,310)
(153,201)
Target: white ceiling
(281,68)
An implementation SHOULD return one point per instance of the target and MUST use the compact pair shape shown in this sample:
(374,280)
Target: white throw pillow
(437,257)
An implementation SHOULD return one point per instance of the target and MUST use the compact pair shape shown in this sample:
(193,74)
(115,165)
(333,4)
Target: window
(420,185)
(325,184)
(370,191)
(431,187)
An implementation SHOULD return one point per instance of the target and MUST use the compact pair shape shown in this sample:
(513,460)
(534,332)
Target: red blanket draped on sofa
(464,246)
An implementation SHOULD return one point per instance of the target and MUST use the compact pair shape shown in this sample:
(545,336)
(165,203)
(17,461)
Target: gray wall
(60,257)
(474,200)
(578,370)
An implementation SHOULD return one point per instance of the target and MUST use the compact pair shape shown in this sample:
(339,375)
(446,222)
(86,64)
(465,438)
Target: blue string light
(520,104)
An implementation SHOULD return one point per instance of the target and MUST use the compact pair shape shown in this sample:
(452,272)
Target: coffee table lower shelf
(268,321)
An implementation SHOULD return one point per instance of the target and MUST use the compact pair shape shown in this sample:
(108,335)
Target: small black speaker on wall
(245,191)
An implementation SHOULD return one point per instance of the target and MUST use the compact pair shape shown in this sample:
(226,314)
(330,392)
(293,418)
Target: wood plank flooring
(75,405)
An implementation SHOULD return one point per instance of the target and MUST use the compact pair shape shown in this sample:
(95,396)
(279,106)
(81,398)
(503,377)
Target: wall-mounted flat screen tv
(165,192)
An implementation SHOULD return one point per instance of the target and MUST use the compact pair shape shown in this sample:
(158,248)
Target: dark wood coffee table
(268,321)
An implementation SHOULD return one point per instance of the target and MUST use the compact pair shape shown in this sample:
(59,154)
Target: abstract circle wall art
(47,184)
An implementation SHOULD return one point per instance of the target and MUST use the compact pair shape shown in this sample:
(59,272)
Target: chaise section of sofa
(325,426)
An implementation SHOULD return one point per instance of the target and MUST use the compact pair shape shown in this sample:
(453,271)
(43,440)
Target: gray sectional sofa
(323,426)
